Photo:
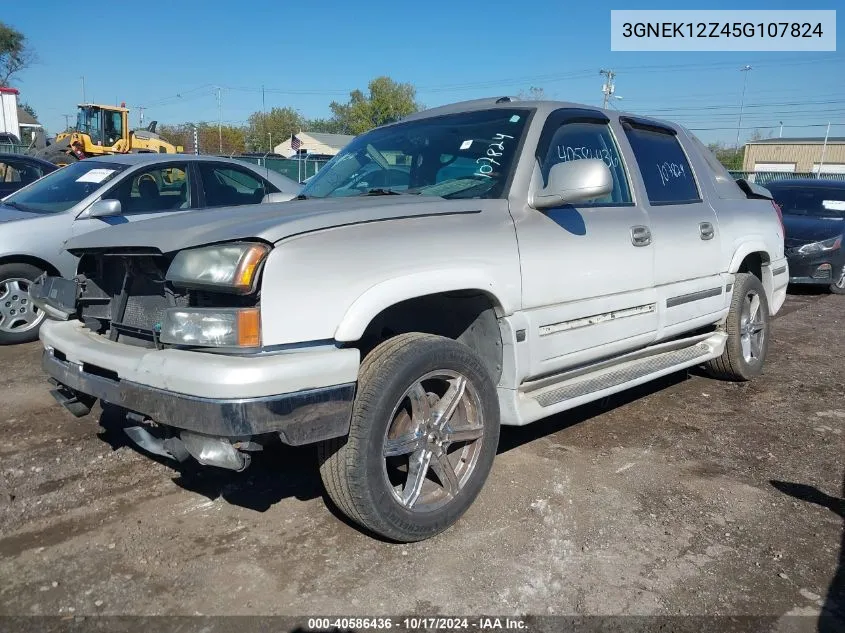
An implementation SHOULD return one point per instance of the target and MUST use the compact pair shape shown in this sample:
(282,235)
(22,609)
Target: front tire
(20,320)
(747,327)
(423,435)
(838,286)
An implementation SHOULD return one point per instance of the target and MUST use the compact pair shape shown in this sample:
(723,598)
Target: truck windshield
(65,187)
(465,155)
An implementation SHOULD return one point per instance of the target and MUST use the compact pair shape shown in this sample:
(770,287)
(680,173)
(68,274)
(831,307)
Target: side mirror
(574,181)
(104,209)
(277,197)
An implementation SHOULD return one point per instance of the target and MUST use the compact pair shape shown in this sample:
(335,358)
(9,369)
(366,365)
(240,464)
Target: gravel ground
(688,496)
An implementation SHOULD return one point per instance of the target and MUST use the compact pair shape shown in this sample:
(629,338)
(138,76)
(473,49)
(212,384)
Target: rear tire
(19,319)
(61,158)
(747,327)
(425,404)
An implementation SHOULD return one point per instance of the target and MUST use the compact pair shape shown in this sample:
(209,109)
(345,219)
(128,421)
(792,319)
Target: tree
(15,53)
(533,94)
(387,101)
(327,126)
(208,137)
(281,123)
(728,156)
(29,110)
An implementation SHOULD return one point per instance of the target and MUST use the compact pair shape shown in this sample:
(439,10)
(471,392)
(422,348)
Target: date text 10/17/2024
(481,623)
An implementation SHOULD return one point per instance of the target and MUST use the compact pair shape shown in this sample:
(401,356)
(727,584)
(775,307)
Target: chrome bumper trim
(301,417)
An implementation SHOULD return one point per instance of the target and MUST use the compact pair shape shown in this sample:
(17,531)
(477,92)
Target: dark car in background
(814,217)
(17,171)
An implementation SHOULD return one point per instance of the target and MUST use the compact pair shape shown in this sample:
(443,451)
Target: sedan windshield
(62,189)
(819,202)
(466,155)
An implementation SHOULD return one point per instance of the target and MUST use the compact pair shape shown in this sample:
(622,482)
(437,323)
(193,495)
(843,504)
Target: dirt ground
(689,496)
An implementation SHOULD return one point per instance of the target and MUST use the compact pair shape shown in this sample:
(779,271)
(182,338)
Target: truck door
(685,229)
(588,268)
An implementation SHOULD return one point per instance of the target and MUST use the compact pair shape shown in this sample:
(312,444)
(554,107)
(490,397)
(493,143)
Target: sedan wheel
(17,313)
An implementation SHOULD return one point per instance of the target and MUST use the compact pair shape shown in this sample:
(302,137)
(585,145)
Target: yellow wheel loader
(102,129)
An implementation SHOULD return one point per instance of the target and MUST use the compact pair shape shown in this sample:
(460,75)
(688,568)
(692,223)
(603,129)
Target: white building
(318,143)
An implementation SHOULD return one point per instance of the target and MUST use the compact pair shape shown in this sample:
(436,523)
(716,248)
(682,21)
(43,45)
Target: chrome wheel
(752,327)
(17,313)
(840,283)
(433,441)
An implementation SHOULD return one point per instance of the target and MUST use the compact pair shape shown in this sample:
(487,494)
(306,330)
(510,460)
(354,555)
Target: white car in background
(99,192)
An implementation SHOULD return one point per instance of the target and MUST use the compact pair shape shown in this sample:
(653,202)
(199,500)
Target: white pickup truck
(484,263)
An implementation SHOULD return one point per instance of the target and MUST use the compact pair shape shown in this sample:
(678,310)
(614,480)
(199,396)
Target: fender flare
(756,245)
(388,293)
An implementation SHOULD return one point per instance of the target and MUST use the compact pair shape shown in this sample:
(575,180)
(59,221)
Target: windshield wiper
(379,191)
(18,206)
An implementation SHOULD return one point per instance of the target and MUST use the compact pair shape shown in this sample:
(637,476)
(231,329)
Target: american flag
(295,144)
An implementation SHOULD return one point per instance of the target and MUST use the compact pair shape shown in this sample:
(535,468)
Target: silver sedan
(97,192)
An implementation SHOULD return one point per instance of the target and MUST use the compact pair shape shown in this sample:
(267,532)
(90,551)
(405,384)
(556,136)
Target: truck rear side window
(666,172)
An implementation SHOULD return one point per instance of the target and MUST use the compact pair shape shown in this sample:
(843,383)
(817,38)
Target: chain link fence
(6,148)
(764,177)
(294,169)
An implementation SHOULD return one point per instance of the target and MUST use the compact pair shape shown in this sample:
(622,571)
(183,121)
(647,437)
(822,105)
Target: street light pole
(745,70)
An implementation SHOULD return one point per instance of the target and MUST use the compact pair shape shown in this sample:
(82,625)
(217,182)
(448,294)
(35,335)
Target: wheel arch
(466,312)
(32,260)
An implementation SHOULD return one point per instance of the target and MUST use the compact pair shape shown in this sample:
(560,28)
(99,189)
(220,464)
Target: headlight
(820,247)
(232,267)
(212,327)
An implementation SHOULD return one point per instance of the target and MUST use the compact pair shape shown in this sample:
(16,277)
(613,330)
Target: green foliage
(728,156)
(15,53)
(387,101)
(280,122)
(327,126)
(29,110)
(233,137)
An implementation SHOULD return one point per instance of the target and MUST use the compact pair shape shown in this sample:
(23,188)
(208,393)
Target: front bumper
(822,269)
(216,395)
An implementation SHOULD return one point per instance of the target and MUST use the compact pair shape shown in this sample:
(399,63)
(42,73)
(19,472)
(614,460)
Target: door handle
(640,236)
(706,230)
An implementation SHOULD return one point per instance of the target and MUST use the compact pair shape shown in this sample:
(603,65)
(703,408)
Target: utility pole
(141,113)
(270,134)
(608,86)
(67,121)
(220,117)
(83,89)
(745,70)
(264,118)
(780,134)
(824,151)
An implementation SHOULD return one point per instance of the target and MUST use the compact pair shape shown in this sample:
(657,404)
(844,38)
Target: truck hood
(270,222)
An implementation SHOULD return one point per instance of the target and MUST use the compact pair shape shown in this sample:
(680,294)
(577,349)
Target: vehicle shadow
(515,436)
(832,617)
(276,473)
(280,471)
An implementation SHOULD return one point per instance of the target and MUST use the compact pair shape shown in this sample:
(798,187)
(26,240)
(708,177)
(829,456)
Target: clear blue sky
(167,56)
